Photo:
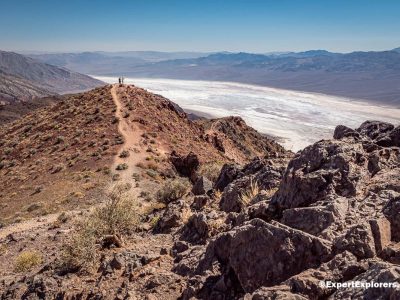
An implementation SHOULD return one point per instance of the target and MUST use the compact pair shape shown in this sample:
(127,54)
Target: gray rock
(202,186)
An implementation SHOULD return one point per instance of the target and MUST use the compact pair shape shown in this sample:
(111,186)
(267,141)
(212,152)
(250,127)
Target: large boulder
(322,170)
(202,186)
(374,129)
(229,172)
(264,254)
(260,175)
(392,212)
(172,217)
(185,165)
(341,268)
(342,131)
(378,273)
(358,240)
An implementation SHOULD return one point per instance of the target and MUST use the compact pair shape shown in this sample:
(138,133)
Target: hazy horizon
(308,117)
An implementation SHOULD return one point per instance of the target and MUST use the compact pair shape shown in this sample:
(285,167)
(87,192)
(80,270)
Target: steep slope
(12,88)
(25,77)
(60,156)
(49,158)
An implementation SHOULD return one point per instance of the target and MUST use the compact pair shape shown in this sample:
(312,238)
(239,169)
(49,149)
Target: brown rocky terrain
(206,209)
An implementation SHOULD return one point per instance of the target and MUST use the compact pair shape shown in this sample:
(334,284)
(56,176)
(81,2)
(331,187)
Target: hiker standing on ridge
(119,80)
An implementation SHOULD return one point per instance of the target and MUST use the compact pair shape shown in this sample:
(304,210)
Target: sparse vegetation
(252,191)
(122,167)
(173,190)
(211,170)
(27,260)
(117,217)
(124,154)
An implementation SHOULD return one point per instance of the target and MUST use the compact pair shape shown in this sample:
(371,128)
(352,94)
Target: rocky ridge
(271,227)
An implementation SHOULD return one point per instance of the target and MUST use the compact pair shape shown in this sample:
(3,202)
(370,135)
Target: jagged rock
(392,212)
(202,186)
(327,168)
(391,253)
(358,240)
(317,219)
(263,254)
(40,287)
(185,165)
(378,273)
(341,268)
(172,216)
(342,131)
(381,232)
(199,202)
(187,262)
(228,173)
(373,129)
(196,230)
(312,220)
(259,175)
(231,200)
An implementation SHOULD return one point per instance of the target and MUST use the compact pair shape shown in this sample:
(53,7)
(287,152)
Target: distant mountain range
(24,78)
(372,76)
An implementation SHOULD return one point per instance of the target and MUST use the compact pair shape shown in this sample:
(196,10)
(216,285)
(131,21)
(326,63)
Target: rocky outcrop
(185,165)
(331,213)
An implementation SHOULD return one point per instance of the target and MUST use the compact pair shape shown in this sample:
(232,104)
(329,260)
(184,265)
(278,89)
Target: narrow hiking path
(132,136)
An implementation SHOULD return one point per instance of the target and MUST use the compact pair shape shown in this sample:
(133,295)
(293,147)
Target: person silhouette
(119,80)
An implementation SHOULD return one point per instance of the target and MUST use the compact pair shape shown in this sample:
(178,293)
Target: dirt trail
(132,136)
(28,225)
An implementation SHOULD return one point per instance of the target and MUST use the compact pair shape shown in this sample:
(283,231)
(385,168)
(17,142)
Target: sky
(199,25)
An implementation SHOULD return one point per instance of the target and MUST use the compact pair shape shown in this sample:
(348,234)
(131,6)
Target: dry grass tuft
(27,260)
(118,216)
(173,190)
(252,191)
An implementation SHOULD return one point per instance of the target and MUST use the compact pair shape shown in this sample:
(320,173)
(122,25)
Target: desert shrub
(124,153)
(152,173)
(116,177)
(57,168)
(27,260)
(117,217)
(8,150)
(211,170)
(121,167)
(173,190)
(251,191)
(60,139)
(136,176)
(63,217)
(153,222)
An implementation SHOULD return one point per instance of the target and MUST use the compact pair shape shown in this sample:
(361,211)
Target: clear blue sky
(201,25)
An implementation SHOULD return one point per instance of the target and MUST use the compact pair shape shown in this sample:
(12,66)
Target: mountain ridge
(372,75)
(46,79)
